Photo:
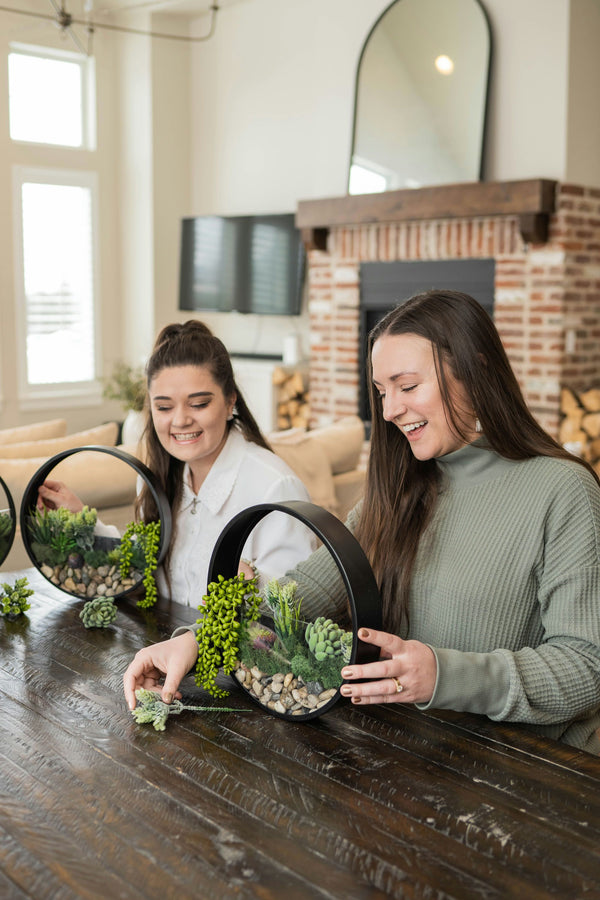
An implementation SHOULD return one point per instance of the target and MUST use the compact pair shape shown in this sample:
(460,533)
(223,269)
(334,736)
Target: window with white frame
(55,280)
(51,96)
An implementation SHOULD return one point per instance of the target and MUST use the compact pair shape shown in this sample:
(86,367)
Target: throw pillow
(38,431)
(309,461)
(105,435)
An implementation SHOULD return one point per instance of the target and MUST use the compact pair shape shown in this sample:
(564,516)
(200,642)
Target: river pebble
(88,582)
(283,692)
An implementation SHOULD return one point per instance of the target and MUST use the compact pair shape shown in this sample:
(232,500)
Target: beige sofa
(328,460)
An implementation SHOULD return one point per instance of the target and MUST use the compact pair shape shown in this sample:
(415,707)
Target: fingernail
(346,673)
(363,633)
(168,698)
(346,690)
(131,705)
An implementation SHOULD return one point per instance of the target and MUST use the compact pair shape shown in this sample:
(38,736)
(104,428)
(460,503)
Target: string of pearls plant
(148,534)
(228,601)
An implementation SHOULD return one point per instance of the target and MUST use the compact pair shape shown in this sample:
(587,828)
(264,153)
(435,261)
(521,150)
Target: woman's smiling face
(404,374)
(190,413)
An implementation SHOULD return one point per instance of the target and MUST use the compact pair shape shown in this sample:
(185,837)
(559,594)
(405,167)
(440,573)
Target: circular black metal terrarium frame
(30,497)
(363,594)
(13,516)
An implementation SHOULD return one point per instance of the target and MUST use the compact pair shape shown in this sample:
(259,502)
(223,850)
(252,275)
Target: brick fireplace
(544,238)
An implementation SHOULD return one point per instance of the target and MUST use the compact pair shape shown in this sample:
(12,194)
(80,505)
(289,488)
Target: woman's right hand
(171,660)
(55,494)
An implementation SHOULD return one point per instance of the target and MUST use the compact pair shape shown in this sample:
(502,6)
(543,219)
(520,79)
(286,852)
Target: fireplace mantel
(531,200)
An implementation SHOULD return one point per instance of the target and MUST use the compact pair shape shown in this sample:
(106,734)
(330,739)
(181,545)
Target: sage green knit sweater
(506,591)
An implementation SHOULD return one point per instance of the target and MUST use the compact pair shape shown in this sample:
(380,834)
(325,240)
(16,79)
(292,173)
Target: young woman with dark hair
(206,450)
(483,533)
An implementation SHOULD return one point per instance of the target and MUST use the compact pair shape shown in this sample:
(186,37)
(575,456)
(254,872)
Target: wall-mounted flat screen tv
(250,264)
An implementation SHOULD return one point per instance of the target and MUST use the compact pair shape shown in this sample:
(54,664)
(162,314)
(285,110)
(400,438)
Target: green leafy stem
(151,708)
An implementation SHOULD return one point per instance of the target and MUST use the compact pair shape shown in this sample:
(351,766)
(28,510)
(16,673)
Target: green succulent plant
(285,606)
(150,708)
(326,639)
(99,612)
(6,524)
(55,533)
(15,599)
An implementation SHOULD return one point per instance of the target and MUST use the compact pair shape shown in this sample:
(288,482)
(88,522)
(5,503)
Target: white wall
(528,98)
(272,106)
(583,123)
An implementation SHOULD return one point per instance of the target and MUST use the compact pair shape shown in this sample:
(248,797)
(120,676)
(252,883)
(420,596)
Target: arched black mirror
(421,97)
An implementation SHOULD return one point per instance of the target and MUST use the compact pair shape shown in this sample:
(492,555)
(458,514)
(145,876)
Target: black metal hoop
(348,555)
(13,516)
(30,497)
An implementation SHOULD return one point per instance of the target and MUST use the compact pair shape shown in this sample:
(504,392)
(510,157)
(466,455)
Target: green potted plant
(128,385)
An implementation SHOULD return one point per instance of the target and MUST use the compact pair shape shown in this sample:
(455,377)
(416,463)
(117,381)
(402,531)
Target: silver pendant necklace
(194,505)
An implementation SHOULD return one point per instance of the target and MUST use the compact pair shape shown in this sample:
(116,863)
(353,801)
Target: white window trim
(88,94)
(71,394)
(391,178)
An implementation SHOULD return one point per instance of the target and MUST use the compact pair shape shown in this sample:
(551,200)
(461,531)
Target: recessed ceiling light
(444,65)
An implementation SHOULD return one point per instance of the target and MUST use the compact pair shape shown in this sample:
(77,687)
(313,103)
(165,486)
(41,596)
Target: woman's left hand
(406,671)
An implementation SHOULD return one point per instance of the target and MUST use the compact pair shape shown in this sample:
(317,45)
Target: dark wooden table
(383,802)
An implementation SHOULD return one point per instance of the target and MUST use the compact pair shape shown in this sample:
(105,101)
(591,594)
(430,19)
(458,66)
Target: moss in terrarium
(327,672)
(259,646)
(96,558)
(114,557)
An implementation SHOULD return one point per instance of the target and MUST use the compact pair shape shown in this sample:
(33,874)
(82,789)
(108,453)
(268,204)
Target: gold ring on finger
(399,686)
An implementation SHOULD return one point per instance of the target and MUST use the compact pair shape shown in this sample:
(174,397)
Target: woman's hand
(171,660)
(406,671)
(55,494)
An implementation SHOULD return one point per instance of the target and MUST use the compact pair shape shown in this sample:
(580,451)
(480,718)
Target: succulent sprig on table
(99,612)
(150,708)
(15,599)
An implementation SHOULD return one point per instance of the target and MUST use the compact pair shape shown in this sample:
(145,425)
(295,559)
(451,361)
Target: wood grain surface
(361,803)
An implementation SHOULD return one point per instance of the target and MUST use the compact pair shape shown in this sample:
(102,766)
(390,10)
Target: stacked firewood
(293,406)
(580,425)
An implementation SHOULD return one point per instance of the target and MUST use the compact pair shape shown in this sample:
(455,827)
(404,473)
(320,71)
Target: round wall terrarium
(99,551)
(286,661)
(8,521)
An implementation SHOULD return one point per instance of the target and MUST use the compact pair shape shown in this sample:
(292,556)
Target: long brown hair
(188,344)
(401,491)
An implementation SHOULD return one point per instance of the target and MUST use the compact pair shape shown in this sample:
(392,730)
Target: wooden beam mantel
(531,200)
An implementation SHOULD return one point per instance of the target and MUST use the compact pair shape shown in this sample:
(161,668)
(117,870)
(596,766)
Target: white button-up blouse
(243,475)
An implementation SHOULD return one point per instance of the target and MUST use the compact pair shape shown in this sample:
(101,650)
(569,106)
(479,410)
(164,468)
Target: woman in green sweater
(482,531)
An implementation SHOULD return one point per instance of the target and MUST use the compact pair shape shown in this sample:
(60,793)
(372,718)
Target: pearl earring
(478,427)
